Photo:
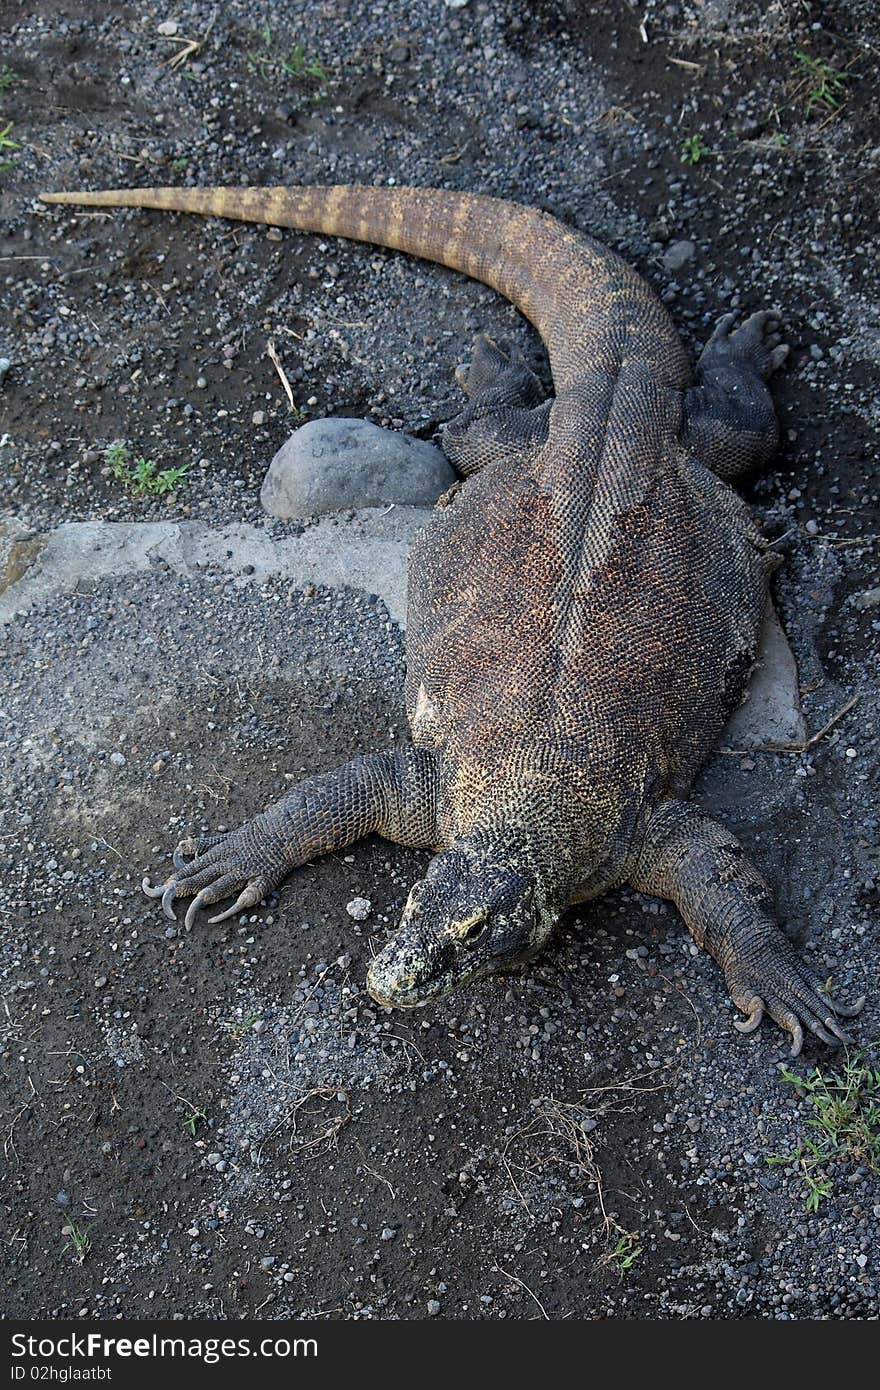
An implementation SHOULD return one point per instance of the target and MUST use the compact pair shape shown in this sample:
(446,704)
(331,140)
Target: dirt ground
(221,1123)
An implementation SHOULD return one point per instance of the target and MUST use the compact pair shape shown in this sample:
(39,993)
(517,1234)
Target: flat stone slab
(771,712)
(368,552)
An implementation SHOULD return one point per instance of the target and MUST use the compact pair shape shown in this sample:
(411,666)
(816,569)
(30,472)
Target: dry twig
(282,375)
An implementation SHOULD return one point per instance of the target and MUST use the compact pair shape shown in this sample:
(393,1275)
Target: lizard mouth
(397,1003)
(398,981)
(402,992)
(402,976)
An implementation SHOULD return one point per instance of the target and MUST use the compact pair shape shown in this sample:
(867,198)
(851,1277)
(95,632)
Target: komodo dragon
(584,613)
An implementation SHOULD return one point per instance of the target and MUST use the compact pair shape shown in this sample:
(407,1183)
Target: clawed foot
(758,341)
(793,998)
(220,864)
(505,374)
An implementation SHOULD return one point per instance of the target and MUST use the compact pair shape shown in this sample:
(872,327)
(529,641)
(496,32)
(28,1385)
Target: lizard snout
(414,967)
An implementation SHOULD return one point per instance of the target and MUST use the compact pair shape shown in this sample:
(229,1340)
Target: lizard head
(468,917)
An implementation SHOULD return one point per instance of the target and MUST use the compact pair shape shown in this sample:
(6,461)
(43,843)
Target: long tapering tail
(582,298)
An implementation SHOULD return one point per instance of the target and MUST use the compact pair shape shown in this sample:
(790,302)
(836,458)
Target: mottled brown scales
(585,609)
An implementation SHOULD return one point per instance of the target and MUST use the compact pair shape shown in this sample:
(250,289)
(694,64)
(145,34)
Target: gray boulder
(329,465)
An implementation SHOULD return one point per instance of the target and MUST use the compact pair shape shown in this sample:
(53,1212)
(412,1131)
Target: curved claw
(193,909)
(177,857)
(846,1010)
(781,1014)
(756,1013)
(798,1004)
(211,893)
(246,898)
(168,899)
(830,1033)
(150,891)
(797,1039)
(834,1027)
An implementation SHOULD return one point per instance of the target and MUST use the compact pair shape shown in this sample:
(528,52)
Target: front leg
(391,794)
(728,909)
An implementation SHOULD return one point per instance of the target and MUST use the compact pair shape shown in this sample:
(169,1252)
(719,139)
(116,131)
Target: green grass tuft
(78,1241)
(139,475)
(266,62)
(827,84)
(625,1252)
(297,64)
(194,1119)
(844,1123)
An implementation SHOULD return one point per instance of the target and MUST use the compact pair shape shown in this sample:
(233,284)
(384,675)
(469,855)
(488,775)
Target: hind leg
(730,424)
(506,417)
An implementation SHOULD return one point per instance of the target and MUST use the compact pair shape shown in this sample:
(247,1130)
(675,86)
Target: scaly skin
(585,610)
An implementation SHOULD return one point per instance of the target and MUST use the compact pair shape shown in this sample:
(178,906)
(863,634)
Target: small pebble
(677,255)
(869,598)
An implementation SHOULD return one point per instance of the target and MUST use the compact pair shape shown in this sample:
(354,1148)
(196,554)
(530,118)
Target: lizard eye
(474,931)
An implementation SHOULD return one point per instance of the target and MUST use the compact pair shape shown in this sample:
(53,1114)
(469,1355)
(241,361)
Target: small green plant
(194,1119)
(139,475)
(259,60)
(625,1252)
(296,64)
(7,144)
(693,149)
(264,61)
(845,1121)
(817,1190)
(78,1241)
(180,165)
(827,84)
(8,75)
(238,1028)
